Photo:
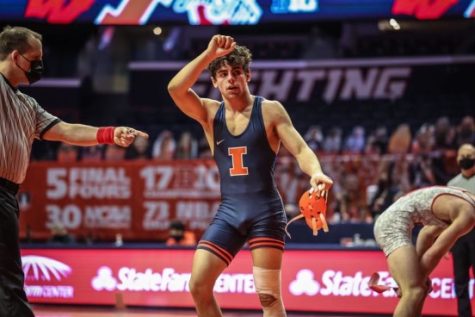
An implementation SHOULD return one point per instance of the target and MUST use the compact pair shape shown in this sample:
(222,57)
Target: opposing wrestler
(446,214)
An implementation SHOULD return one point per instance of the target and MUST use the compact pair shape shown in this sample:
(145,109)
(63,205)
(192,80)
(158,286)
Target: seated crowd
(370,170)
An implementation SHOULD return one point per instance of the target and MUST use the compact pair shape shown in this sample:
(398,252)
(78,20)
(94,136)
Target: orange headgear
(313,208)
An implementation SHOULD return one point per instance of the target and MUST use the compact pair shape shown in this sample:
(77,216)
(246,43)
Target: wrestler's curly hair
(240,56)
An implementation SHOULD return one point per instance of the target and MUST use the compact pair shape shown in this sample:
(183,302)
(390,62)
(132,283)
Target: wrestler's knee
(266,300)
(415,292)
(268,288)
(200,288)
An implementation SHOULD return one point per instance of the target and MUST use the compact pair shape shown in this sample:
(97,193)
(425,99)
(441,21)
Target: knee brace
(268,288)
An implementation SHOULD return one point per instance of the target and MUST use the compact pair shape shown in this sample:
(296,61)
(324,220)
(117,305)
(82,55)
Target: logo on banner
(104,280)
(88,183)
(423,9)
(304,284)
(57,11)
(334,283)
(202,12)
(337,283)
(41,268)
(294,6)
(130,279)
(168,280)
(43,276)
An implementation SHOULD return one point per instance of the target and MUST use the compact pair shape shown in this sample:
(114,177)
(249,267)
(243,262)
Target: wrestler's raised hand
(220,45)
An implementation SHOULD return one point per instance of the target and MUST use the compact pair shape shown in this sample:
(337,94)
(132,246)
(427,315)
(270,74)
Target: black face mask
(466,163)
(35,72)
(177,237)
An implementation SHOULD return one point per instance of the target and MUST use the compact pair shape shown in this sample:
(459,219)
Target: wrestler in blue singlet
(251,208)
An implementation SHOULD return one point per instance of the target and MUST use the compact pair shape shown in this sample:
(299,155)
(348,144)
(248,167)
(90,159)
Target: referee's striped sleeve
(44,120)
(49,126)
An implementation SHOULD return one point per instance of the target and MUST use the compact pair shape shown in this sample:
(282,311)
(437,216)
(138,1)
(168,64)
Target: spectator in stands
(355,142)
(179,236)
(444,134)
(92,154)
(89,238)
(187,147)
(67,153)
(204,151)
(60,235)
(466,131)
(314,138)
(439,167)
(352,205)
(290,181)
(424,140)
(140,150)
(420,171)
(463,252)
(114,153)
(164,146)
(428,167)
(377,142)
(400,140)
(336,170)
(393,182)
(384,194)
(332,142)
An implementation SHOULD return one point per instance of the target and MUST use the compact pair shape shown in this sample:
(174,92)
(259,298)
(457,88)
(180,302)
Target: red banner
(312,280)
(135,199)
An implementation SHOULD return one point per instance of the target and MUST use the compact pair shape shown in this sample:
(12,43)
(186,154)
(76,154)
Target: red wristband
(105,135)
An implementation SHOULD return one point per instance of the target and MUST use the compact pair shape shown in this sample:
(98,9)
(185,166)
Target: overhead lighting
(157,30)
(395,25)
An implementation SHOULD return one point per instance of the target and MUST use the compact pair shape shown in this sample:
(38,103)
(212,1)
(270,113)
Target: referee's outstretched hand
(125,136)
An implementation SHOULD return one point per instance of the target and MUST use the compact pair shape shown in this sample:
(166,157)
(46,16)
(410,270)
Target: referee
(463,251)
(22,120)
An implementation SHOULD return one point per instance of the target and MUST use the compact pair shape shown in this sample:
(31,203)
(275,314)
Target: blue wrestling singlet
(251,208)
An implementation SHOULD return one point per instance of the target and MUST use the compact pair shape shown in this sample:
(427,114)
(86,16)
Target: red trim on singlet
(266,242)
(216,248)
(266,245)
(263,239)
